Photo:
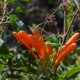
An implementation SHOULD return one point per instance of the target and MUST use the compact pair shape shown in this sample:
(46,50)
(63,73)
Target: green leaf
(72,71)
(70,8)
(23,78)
(4,50)
(1,67)
(20,9)
(3,77)
(24,69)
(9,1)
(13,17)
(56,45)
(69,17)
(49,39)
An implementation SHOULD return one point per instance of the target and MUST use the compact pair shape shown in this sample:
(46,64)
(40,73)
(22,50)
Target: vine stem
(64,21)
(46,21)
(64,27)
(70,26)
(66,34)
(68,31)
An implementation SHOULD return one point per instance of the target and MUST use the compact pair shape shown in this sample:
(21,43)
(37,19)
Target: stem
(64,22)
(68,31)
(4,7)
(4,11)
(55,69)
(64,27)
(49,18)
(64,30)
(70,26)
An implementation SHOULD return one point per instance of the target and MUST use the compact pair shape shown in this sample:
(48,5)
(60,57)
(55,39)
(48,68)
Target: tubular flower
(48,50)
(65,53)
(69,42)
(34,40)
(18,37)
(67,48)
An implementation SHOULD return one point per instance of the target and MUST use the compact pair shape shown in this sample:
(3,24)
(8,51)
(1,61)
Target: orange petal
(34,43)
(24,33)
(25,36)
(42,49)
(23,41)
(39,46)
(69,42)
(72,39)
(65,53)
(49,48)
(36,34)
(17,36)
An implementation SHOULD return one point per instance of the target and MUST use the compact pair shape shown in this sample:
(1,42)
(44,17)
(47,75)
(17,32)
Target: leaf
(49,39)
(3,76)
(72,71)
(70,8)
(1,67)
(4,50)
(56,45)
(9,1)
(20,9)
(23,78)
(13,17)
(69,17)
(23,69)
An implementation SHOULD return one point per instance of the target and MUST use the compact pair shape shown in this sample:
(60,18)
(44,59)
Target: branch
(68,31)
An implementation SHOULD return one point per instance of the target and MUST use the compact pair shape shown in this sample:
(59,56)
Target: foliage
(16,59)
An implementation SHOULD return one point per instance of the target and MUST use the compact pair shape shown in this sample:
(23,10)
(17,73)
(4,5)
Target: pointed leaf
(72,71)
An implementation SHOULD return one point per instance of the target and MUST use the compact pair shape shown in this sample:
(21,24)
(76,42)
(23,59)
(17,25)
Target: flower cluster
(69,46)
(35,41)
(44,49)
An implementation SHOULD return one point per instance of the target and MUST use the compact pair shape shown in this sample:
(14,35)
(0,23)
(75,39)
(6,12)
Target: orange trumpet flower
(67,48)
(36,41)
(18,37)
(69,42)
(65,53)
